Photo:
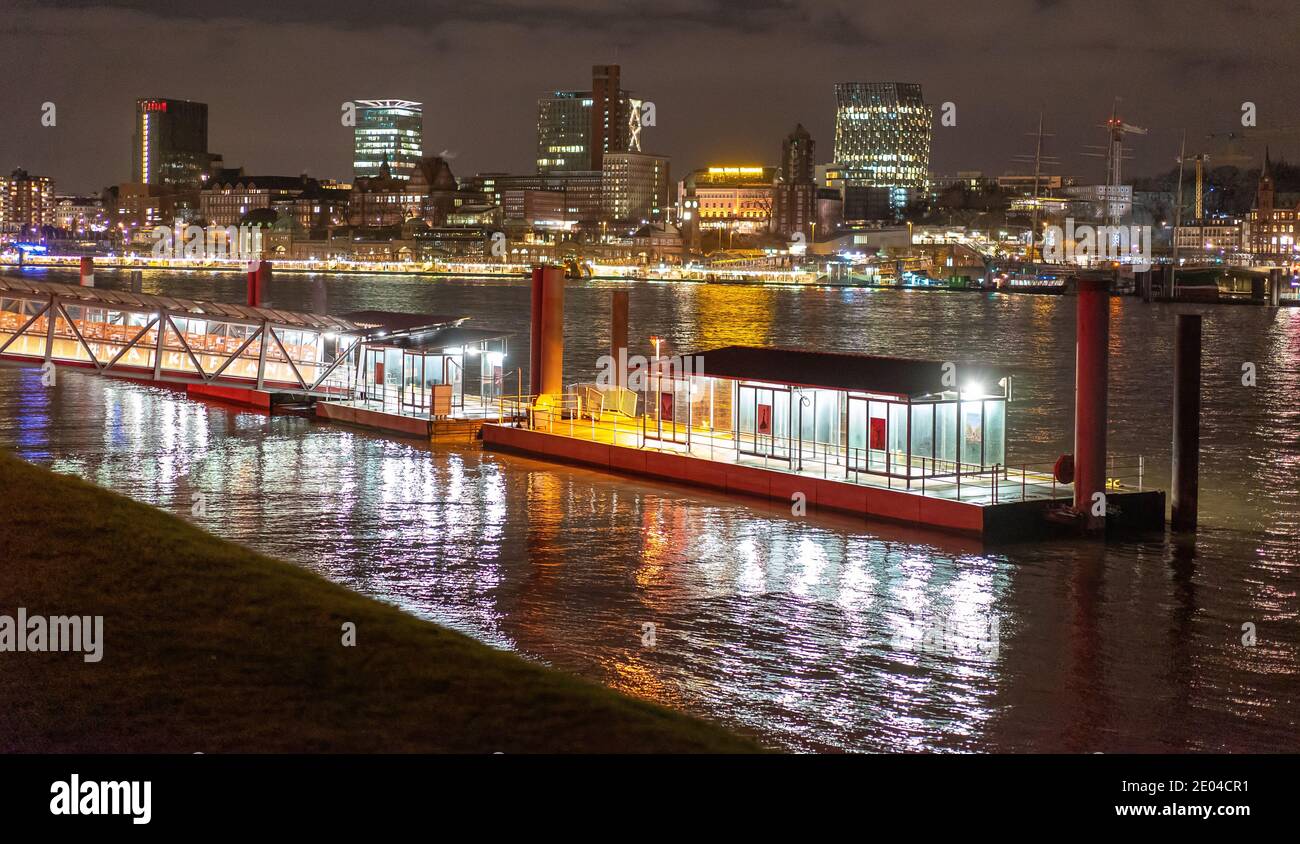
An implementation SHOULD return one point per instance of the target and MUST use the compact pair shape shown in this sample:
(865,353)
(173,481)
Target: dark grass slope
(211,647)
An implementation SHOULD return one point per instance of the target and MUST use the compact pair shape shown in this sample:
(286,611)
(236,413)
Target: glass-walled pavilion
(430,366)
(892,417)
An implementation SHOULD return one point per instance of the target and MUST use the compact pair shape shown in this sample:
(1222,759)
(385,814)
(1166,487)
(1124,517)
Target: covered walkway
(168,339)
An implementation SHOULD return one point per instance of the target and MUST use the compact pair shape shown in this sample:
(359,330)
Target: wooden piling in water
(1187,420)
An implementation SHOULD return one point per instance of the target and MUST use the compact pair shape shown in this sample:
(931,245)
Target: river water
(811,633)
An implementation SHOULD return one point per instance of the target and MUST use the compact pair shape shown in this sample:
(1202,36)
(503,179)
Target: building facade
(1270,231)
(80,215)
(610,108)
(316,212)
(575,129)
(564,132)
(735,198)
(1211,238)
(882,137)
(795,207)
(429,195)
(1091,201)
(534,208)
(634,188)
(170,145)
(224,203)
(26,202)
(580,189)
(390,131)
(1025,183)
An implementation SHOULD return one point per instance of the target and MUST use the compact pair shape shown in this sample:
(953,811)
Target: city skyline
(481,109)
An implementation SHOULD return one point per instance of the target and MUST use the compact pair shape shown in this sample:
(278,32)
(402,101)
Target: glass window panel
(392,366)
(746,411)
(995,432)
(972,431)
(898,432)
(923,430)
(945,434)
(857,431)
(780,422)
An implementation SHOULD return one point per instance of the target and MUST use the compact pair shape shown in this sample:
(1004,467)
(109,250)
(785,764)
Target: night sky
(729,79)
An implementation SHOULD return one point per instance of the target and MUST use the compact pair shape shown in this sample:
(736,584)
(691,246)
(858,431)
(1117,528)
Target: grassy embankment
(211,647)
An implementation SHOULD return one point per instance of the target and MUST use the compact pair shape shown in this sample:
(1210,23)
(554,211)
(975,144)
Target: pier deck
(994,504)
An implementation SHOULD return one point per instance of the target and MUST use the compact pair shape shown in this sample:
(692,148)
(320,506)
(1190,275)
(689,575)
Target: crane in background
(1115,154)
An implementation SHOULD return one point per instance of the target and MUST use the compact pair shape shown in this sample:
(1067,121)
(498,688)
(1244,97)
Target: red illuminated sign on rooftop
(155,105)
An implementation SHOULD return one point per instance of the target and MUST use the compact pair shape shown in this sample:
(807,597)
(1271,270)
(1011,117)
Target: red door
(877,434)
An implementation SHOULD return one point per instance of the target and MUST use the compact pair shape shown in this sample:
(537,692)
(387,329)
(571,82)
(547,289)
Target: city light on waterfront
(407,403)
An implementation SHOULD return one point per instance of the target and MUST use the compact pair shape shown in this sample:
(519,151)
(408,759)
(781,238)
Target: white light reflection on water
(798,630)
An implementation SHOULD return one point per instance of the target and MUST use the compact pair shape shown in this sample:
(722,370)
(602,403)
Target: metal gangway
(169,339)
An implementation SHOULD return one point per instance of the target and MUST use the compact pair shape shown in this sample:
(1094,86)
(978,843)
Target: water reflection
(814,633)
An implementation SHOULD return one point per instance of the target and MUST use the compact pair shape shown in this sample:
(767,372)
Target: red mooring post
(87,271)
(535,334)
(546,364)
(1187,420)
(553,331)
(259,276)
(1090,388)
(618,336)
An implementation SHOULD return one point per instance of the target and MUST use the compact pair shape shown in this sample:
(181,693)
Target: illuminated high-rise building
(170,143)
(389,131)
(610,110)
(882,135)
(576,128)
(564,132)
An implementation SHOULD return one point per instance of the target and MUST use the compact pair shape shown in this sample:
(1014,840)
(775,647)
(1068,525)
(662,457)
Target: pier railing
(568,415)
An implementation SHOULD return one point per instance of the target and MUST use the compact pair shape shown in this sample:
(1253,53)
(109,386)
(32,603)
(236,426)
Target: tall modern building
(610,110)
(170,143)
(795,200)
(389,131)
(882,135)
(564,132)
(576,128)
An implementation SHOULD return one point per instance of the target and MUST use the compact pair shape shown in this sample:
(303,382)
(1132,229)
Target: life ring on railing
(1063,471)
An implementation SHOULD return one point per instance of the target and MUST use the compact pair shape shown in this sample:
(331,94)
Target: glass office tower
(882,134)
(170,143)
(389,131)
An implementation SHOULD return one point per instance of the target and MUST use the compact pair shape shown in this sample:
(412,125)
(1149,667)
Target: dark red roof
(395,321)
(840,371)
